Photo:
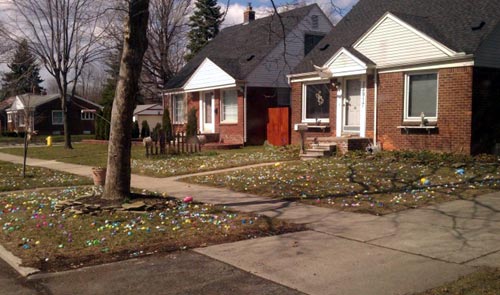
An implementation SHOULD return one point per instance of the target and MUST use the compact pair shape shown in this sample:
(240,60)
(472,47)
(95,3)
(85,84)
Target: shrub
(192,123)
(156,132)
(167,125)
(135,129)
(145,131)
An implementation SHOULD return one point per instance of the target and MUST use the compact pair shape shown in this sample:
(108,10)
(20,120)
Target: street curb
(16,262)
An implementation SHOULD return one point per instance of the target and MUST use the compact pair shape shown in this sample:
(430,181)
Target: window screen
(422,95)
(229,106)
(317,101)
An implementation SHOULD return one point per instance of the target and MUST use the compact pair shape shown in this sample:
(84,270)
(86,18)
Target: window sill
(229,123)
(408,128)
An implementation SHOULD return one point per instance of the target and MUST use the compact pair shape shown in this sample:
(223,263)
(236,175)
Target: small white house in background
(152,113)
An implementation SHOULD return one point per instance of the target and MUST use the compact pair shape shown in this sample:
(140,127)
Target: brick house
(240,74)
(409,75)
(4,105)
(46,117)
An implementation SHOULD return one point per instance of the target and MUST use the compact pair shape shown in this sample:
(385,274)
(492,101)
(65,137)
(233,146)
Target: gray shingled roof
(239,49)
(447,21)
(34,100)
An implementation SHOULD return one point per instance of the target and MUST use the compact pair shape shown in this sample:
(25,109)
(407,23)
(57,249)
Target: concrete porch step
(319,151)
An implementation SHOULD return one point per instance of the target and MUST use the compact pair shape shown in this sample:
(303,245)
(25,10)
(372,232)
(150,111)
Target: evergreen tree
(167,125)
(145,131)
(108,95)
(192,123)
(204,24)
(24,75)
(135,129)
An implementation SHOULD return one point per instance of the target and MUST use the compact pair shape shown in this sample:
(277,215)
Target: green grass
(163,166)
(40,139)
(388,182)
(35,178)
(483,282)
(45,238)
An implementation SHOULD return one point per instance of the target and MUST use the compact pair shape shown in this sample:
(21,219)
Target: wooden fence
(180,144)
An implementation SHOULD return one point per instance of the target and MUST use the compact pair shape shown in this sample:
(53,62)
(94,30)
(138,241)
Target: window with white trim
(229,106)
(178,108)
(421,96)
(316,103)
(9,117)
(87,116)
(57,117)
(21,119)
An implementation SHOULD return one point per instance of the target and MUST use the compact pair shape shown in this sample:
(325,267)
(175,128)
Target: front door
(352,106)
(207,112)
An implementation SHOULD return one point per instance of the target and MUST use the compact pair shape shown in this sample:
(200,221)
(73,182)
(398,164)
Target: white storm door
(352,106)
(207,112)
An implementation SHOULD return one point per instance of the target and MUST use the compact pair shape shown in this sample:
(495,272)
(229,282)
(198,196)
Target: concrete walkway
(347,253)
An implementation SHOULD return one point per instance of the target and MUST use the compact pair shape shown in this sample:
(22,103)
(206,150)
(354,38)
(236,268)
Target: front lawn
(12,178)
(43,237)
(486,281)
(164,166)
(380,184)
(41,139)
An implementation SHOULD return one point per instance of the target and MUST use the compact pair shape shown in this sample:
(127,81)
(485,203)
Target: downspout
(245,115)
(375,104)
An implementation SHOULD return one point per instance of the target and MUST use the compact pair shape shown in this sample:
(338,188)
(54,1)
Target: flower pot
(99,175)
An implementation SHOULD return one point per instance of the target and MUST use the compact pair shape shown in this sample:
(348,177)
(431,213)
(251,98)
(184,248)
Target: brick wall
(370,92)
(228,132)
(454,114)
(296,113)
(231,132)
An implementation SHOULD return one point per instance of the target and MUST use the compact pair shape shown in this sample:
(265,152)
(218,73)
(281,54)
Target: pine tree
(24,75)
(192,124)
(167,125)
(204,24)
(145,130)
(135,129)
(108,95)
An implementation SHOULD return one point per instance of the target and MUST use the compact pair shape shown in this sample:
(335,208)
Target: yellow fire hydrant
(49,140)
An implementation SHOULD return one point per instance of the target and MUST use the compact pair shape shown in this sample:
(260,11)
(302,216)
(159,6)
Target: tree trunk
(117,185)
(66,123)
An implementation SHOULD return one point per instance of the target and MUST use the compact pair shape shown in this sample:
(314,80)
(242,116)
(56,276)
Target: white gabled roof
(209,76)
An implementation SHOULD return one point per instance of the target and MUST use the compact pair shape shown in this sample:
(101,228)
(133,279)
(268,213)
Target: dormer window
(311,40)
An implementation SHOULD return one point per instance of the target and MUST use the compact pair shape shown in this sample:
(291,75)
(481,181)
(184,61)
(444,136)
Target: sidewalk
(347,253)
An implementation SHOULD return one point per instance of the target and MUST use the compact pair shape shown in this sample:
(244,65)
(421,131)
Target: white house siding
(392,43)
(208,76)
(345,65)
(273,70)
(488,54)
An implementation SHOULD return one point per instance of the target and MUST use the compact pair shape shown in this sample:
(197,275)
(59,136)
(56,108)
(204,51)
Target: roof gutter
(456,58)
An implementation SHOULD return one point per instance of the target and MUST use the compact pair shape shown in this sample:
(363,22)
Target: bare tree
(91,82)
(135,44)
(167,33)
(65,35)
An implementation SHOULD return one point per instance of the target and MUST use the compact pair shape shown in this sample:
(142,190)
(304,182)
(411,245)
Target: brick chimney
(249,14)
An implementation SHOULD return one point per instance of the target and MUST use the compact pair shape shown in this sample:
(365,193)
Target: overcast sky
(236,7)
(235,14)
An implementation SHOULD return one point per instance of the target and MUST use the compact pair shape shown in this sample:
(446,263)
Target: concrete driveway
(401,253)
